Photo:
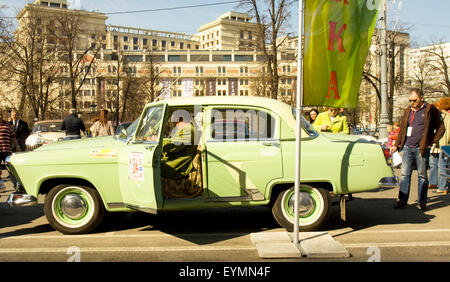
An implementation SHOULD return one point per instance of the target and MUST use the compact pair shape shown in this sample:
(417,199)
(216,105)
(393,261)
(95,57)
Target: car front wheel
(73,209)
(314,208)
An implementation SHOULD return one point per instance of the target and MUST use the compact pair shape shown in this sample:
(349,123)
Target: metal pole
(384,115)
(298,110)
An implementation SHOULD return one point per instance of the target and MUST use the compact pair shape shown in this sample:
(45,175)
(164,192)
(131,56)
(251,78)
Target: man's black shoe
(422,206)
(399,205)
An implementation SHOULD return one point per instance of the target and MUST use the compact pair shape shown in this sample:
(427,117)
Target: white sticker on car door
(136,166)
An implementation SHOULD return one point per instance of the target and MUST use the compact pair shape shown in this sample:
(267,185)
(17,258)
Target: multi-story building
(429,69)
(222,59)
(231,31)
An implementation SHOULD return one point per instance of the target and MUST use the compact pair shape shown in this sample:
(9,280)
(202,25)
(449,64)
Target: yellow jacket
(339,125)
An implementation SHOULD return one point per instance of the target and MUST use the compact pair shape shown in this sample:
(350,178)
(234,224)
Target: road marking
(115,235)
(399,244)
(345,232)
(127,249)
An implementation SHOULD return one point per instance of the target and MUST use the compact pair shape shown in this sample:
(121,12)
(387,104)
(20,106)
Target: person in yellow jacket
(331,121)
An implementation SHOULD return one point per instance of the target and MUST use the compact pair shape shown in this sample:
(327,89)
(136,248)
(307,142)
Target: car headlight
(7,159)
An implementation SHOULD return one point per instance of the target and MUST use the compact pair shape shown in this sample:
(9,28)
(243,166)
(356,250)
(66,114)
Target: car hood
(78,144)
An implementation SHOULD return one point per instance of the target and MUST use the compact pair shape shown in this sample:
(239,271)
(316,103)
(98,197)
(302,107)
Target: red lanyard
(413,114)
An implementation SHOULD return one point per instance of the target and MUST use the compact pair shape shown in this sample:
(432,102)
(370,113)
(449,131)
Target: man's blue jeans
(442,183)
(434,160)
(411,156)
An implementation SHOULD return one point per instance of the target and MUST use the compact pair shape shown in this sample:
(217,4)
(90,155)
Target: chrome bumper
(19,200)
(388,182)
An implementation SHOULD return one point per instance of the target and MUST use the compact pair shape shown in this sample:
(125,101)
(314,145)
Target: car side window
(241,124)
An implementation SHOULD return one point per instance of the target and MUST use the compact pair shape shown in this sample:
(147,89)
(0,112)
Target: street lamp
(384,115)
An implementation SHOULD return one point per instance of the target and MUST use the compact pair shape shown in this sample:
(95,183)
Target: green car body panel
(347,164)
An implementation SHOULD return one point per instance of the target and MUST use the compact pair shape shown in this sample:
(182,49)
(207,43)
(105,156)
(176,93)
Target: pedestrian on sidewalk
(103,126)
(20,129)
(73,125)
(434,163)
(444,106)
(421,127)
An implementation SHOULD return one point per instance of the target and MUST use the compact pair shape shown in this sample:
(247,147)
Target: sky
(425,20)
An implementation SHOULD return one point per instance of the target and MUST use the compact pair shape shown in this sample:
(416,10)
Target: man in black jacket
(73,125)
(21,129)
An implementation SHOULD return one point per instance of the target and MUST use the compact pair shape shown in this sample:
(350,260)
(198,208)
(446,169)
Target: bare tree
(420,77)
(396,50)
(151,75)
(271,16)
(439,62)
(29,61)
(77,52)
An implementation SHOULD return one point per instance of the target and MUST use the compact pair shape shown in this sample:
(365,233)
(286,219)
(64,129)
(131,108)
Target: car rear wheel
(73,209)
(314,208)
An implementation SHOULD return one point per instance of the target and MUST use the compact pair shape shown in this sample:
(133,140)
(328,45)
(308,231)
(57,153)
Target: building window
(163,44)
(177,70)
(135,40)
(198,70)
(172,43)
(181,45)
(125,38)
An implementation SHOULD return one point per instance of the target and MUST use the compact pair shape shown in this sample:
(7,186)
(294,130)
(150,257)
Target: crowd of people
(74,126)
(420,134)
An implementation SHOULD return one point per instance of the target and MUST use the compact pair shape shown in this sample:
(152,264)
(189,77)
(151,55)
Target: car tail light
(387,154)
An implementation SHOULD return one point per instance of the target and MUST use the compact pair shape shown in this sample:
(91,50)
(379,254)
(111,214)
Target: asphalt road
(373,231)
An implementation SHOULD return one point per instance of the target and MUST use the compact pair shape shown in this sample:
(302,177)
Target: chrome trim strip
(142,209)
(116,205)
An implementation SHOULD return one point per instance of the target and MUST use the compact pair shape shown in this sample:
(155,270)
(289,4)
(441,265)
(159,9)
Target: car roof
(225,100)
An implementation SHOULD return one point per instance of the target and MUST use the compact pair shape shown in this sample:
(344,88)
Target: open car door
(139,163)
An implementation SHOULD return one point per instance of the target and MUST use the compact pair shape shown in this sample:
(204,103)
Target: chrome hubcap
(306,205)
(73,206)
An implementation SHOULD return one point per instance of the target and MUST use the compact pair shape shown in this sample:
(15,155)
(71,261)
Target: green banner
(337,40)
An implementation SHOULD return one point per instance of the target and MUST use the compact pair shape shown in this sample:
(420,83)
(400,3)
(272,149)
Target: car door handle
(271,143)
(149,147)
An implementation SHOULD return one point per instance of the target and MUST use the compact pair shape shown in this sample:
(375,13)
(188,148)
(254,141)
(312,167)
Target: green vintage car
(202,152)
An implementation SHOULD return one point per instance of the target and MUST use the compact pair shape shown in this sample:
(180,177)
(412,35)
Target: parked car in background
(45,132)
(249,161)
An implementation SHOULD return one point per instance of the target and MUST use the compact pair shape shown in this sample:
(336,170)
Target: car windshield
(129,128)
(306,125)
(47,127)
